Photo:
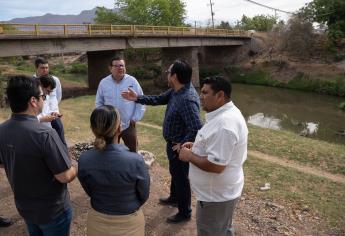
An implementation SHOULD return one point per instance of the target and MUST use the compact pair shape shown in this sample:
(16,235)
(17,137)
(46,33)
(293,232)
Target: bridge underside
(204,57)
(200,52)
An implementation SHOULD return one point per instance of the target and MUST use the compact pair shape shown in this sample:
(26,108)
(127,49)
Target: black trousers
(179,187)
(58,126)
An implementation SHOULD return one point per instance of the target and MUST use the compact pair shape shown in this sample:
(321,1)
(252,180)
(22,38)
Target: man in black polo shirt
(36,162)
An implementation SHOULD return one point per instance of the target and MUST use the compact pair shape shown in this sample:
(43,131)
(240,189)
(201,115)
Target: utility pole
(212,13)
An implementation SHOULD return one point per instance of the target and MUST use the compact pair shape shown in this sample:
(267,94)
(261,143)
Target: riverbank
(298,202)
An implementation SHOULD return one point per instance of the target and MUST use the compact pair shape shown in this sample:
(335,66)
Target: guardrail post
(133,29)
(64,30)
(168,30)
(89,29)
(111,29)
(36,30)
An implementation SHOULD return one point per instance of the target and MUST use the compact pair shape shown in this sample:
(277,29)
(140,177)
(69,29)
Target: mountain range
(85,17)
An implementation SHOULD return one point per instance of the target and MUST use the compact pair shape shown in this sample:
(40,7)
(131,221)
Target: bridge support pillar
(98,63)
(220,57)
(190,54)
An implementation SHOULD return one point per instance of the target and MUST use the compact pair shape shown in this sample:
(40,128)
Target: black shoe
(178,218)
(5,222)
(168,201)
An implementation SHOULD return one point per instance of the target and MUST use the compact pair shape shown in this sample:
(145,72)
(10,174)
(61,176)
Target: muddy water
(306,114)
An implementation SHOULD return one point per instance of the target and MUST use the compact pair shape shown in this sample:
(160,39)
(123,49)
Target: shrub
(78,68)
(57,69)
(342,106)
(206,72)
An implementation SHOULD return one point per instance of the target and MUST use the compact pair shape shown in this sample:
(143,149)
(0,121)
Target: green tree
(144,12)
(327,12)
(224,25)
(259,22)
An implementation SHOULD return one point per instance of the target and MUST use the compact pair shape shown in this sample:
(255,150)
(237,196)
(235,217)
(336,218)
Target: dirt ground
(254,216)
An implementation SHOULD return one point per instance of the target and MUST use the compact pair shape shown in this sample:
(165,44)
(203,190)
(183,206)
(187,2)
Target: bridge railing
(67,30)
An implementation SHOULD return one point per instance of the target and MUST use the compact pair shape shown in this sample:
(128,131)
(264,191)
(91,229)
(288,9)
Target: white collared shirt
(223,139)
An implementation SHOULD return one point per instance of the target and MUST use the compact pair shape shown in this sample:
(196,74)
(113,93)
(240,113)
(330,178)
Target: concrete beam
(32,46)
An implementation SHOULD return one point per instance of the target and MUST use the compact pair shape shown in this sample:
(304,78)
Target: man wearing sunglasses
(36,162)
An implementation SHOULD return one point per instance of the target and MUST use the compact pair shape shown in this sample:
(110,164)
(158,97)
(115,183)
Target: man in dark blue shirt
(181,124)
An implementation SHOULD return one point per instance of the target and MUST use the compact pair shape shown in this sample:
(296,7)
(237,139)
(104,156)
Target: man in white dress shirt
(109,93)
(52,113)
(216,159)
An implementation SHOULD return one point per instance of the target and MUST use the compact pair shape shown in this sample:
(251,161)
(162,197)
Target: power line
(212,12)
(272,8)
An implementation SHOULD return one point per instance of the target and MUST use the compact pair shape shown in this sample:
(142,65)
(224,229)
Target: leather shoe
(5,222)
(168,201)
(178,218)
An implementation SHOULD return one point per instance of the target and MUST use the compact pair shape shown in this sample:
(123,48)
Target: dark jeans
(60,226)
(129,137)
(179,187)
(58,126)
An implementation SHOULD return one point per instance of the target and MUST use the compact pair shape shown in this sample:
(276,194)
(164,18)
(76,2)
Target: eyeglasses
(44,97)
(118,66)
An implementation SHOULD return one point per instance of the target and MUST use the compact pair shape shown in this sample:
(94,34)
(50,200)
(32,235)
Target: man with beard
(36,161)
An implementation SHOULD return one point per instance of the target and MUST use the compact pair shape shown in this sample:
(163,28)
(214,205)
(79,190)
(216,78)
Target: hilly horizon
(85,17)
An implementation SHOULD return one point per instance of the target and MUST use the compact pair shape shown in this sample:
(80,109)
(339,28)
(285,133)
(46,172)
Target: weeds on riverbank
(332,86)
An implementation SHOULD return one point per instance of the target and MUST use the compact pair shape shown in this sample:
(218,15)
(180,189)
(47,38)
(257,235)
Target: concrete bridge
(200,46)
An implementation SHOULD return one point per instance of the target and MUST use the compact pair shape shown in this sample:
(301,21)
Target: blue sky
(197,10)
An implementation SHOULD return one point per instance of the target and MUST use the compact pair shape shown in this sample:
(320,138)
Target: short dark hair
(40,60)
(20,89)
(182,70)
(218,83)
(115,58)
(47,81)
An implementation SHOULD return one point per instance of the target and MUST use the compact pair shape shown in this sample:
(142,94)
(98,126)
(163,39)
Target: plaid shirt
(182,116)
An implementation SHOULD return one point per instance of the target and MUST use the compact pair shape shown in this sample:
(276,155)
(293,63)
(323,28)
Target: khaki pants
(99,224)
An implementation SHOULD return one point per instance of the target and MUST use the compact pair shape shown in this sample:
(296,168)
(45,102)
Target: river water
(306,114)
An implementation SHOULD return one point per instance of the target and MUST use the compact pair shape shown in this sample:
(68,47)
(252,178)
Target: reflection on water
(259,119)
(306,114)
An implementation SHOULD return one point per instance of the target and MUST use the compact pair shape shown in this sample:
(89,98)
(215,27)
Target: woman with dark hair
(116,179)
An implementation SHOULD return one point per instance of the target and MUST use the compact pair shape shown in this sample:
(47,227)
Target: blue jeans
(58,227)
